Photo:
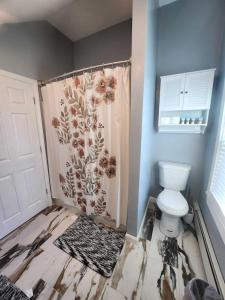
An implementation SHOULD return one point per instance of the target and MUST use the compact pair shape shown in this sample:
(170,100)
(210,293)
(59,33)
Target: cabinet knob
(181,92)
(186,92)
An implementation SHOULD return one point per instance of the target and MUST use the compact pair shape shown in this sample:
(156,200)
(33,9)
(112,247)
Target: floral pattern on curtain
(87,122)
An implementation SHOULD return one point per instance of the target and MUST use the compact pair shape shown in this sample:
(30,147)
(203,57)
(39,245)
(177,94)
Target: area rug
(8,290)
(96,246)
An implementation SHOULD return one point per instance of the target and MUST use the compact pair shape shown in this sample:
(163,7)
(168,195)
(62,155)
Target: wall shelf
(191,128)
(185,98)
(185,125)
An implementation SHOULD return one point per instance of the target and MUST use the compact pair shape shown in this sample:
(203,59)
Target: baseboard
(143,219)
(212,268)
(59,202)
(130,236)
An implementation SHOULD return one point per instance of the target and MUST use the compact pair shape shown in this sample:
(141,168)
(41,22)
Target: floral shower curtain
(87,133)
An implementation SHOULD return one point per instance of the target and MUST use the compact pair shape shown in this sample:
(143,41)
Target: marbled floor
(144,269)
(174,261)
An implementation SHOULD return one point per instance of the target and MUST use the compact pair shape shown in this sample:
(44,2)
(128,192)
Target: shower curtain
(87,133)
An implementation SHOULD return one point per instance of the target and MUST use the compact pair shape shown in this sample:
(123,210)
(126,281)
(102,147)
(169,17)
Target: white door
(198,90)
(22,176)
(172,92)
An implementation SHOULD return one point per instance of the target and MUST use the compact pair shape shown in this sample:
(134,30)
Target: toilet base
(170,225)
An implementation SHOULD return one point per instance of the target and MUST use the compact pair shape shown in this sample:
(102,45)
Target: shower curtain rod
(42,83)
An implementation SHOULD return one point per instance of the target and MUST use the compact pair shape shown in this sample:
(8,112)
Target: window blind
(218,179)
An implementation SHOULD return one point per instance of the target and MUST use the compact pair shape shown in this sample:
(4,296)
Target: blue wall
(139,28)
(35,49)
(190,38)
(143,75)
(147,143)
(190,35)
(111,44)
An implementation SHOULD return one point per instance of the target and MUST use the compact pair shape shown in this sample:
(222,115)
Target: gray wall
(36,50)
(189,38)
(142,107)
(112,44)
(190,35)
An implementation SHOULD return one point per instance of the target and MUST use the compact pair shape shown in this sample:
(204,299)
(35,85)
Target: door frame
(40,128)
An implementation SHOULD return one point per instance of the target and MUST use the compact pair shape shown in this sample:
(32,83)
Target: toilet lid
(172,202)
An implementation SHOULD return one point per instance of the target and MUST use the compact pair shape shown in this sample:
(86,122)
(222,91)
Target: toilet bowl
(173,178)
(173,206)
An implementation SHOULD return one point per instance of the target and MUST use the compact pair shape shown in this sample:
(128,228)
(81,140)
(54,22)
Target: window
(218,179)
(216,190)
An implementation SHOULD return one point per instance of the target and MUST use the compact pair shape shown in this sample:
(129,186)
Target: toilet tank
(173,176)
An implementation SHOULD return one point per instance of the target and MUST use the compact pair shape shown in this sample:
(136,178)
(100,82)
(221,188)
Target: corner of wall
(148,110)
(142,109)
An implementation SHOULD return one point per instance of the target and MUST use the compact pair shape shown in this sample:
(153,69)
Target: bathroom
(129,238)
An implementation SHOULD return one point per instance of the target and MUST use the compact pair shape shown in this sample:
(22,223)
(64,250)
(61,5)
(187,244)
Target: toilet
(173,178)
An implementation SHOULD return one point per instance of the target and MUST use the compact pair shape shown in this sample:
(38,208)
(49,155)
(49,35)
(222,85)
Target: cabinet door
(172,92)
(198,90)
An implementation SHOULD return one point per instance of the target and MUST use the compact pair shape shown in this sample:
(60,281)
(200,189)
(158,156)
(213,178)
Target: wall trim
(211,265)
(42,141)
(143,219)
(130,236)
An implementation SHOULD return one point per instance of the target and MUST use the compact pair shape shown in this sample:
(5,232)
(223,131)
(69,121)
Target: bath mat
(96,246)
(8,290)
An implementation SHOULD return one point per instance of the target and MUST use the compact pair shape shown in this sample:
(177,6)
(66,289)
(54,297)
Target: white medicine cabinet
(185,101)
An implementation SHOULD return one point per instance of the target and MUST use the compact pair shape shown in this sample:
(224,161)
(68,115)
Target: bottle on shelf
(187,121)
(182,120)
(200,120)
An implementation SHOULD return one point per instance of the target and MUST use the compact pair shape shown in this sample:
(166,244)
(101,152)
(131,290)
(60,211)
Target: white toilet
(173,178)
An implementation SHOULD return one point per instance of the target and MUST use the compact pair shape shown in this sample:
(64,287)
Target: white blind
(218,179)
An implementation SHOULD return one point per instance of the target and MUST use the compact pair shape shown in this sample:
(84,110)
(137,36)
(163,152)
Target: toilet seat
(172,202)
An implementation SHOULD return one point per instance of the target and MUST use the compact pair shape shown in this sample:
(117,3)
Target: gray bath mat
(8,291)
(96,246)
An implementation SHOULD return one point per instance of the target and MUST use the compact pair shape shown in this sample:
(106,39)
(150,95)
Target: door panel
(33,187)
(9,201)
(21,129)
(16,95)
(11,214)
(3,146)
(198,90)
(171,92)
(22,184)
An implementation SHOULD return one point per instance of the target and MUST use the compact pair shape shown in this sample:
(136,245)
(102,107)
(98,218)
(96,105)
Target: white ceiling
(74,18)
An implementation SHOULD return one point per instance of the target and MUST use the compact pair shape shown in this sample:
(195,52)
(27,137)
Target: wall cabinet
(185,101)
(171,92)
